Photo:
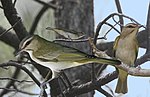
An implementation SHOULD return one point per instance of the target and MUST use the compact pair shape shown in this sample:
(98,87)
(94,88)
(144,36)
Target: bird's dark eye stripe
(130,26)
(28,43)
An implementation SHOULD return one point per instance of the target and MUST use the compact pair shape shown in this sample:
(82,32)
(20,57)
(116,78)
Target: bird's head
(30,43)
(130,28)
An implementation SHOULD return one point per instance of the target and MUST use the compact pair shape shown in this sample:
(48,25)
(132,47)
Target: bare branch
(22,81)
(9,28)
(107,18)
(49,4)
(148,31)
(17,65)
(135,71)
(104,92)
(39,15)
(10,38)
(74,40)
(11,82)
(142,59)
(119,11)
(12,16)
(89,86)
(17,90)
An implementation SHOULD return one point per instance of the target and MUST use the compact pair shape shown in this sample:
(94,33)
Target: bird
(126,50)
(56,56)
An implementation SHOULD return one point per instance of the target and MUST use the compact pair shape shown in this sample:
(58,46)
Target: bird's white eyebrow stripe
(24,42)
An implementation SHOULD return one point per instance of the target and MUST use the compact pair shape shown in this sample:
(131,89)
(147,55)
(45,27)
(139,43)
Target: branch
(9,38)
(17,65)
(89,86)
(107,18)
(9,28)
(142,59)
(13,79)
(12,16)
(134,71)
(16,90)
(119,11)
(37,19)
(49,4)
(148,31)
(10,83)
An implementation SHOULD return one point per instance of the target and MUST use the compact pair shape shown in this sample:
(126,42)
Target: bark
(76,15)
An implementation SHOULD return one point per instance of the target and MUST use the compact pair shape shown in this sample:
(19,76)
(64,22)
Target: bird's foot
(138,67)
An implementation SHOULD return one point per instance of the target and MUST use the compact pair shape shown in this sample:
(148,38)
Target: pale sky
(137,9)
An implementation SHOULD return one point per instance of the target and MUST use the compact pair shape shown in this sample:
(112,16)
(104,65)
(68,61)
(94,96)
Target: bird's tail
(99,60)
(122,82)
(107,61)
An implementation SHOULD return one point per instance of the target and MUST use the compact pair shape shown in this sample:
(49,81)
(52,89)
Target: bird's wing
(115,45)
(136,49)
(62,54)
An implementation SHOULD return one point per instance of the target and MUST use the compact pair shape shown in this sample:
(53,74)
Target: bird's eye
(27,43)
(130,26)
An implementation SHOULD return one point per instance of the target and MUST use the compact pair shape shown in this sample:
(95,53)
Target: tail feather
(122,82)
(108,61)
(98,60)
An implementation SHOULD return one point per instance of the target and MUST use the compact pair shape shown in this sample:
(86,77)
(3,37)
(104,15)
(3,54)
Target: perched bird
(126,50)
(56,56)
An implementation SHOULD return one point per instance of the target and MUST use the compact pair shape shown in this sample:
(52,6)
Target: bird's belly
(126,54)
(55,66)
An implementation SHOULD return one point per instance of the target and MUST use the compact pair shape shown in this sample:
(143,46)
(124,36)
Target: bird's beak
(18,52)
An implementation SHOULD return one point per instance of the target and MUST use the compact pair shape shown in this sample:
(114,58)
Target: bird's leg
(138,67)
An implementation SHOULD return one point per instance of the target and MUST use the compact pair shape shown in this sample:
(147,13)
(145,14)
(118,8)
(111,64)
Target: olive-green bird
(58,57)
(126,50)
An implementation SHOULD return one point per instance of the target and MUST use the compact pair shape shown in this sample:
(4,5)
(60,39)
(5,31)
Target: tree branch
(12,16)
(49,4)
(38,17)
(119,11)
(148,31)
(9,38)
(17,65)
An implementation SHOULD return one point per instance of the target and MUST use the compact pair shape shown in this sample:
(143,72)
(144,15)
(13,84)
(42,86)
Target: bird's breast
(126,51)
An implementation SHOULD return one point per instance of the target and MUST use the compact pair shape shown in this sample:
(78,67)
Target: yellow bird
(126,50)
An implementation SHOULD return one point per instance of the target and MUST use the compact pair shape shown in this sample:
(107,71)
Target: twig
(89,86)
(113,26)
(15,1)
(12,16)
(10,28)
(10,38)
(79,40)
(49,4)
(11,82)
(16,90)
(111,29)
(142,59)
(148,31)
(104,92)
(24,69)
(110,89)
(22,81)
(107,18)
(1,7)
(119,11)
(37,19)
